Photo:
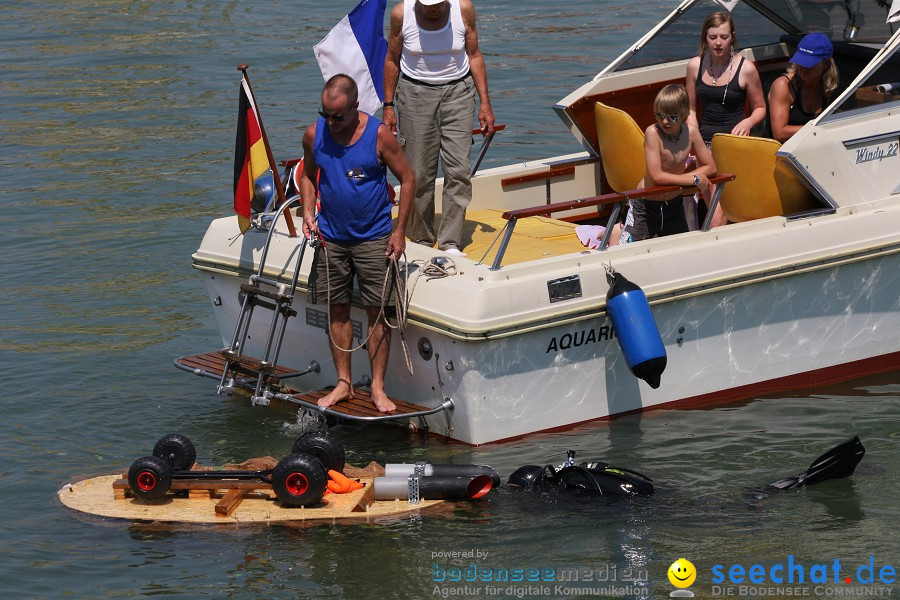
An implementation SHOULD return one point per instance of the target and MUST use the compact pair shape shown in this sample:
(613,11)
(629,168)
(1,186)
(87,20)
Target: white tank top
(434,56)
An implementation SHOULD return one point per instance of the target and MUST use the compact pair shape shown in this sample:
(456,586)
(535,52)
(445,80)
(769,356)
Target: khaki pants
(435,121)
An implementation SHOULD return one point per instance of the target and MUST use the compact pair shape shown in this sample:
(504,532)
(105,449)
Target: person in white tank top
(432,73)
(434,57)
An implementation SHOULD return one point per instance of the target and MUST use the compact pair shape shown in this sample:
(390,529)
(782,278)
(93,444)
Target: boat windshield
(761,23)
(880,87)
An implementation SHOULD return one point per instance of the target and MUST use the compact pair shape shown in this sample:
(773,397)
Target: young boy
(667,145)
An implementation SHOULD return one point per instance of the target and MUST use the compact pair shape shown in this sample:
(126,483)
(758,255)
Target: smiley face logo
(682,573)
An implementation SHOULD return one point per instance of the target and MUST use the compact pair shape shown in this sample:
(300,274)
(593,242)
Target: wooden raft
(227,501)
(212,364)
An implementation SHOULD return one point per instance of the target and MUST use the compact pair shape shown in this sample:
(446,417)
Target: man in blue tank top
(346,154)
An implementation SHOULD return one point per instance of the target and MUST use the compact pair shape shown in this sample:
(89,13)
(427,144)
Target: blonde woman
(799,95)
(719,85)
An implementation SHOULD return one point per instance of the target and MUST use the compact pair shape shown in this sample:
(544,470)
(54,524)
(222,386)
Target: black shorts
(649,218)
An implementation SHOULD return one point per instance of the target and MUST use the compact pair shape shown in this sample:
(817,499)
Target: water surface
(116,139)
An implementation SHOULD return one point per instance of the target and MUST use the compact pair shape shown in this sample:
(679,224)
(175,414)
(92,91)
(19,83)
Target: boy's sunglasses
(337,118)
(659,117)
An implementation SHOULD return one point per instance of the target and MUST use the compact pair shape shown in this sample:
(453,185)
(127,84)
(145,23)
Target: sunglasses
(659,117)
(337,118)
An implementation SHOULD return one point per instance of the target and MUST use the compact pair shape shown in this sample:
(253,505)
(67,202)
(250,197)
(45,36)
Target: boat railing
(615,198)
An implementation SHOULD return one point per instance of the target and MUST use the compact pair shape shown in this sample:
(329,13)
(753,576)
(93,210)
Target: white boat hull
(826,324)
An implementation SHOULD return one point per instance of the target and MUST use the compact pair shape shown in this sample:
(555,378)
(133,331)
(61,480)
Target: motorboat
(801,288)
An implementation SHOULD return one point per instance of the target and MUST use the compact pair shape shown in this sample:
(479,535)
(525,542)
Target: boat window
(681,39)
(881,87)
(861,21)
(763,23)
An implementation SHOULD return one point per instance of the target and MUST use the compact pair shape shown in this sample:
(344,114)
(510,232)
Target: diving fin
(838,462)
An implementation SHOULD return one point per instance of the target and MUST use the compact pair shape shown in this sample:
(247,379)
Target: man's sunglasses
(337,118)
(659,117)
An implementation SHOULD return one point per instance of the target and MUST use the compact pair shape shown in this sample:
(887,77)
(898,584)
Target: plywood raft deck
(96,496)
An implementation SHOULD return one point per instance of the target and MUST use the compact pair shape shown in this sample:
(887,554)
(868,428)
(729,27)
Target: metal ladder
(273,295)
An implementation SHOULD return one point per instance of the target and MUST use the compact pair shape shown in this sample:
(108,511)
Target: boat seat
(621,144)
(764,185)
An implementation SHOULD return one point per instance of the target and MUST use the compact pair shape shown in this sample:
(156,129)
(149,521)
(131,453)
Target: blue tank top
(352,185)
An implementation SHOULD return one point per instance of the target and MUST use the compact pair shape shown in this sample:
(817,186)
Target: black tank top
(797,116)
(721,106)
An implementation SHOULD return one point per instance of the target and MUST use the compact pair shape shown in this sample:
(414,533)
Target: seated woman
(667,145)
(720,84)
(799,95)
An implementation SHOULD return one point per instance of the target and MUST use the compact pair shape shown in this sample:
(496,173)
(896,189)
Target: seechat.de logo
(682,574)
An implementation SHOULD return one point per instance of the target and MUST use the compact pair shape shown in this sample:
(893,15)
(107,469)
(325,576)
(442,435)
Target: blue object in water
(636,330)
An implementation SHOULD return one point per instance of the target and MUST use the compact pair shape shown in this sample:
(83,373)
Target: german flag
(250,157)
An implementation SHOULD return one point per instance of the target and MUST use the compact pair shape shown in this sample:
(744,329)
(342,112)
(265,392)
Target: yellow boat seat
(621,144)
(764,185)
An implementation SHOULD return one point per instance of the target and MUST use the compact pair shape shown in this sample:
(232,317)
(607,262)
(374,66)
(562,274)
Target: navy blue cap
(812,50)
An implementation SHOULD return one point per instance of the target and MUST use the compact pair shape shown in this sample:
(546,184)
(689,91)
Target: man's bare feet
(382,402)
(342,391)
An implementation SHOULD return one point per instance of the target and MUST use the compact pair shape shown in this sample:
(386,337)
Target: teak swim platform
(358,408)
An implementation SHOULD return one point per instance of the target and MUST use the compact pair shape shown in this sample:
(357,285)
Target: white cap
(430,2)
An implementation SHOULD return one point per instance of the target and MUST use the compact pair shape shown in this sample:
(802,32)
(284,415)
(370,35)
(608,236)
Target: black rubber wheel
(324,447)
(299,480)
(150,477)
(176,450)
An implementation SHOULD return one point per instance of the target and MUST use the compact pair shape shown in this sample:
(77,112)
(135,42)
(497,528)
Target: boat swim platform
(360,408)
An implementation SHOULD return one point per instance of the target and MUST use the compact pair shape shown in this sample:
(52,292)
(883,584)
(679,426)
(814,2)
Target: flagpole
(275,176)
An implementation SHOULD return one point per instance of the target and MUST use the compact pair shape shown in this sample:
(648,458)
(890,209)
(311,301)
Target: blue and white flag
(356,47)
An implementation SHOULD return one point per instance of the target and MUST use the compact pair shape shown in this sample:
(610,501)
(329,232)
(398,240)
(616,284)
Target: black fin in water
(838,462)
